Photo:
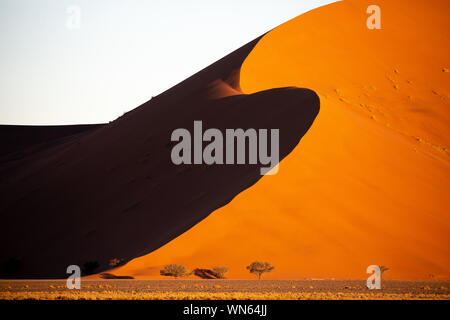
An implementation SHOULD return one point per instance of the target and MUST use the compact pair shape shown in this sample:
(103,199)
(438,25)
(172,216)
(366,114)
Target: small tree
(259,268)
(220,271)
(174,270)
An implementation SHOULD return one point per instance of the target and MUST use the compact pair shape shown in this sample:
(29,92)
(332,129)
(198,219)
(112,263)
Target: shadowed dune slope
(369,183)
(114,193)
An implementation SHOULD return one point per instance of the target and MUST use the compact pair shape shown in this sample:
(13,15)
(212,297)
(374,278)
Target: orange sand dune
(369,182)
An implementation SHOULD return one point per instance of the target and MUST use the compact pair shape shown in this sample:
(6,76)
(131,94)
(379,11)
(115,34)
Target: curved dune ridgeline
(113,193)
(369,182)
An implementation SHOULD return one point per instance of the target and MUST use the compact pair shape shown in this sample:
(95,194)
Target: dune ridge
(369,183)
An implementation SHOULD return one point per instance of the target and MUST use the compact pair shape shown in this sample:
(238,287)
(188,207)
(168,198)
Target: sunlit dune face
(369,182)
(397,74)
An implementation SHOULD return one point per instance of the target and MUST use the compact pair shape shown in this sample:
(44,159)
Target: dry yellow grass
(184,295)
(224,289)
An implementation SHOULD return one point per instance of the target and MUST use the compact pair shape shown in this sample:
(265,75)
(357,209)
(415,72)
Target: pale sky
(55,70)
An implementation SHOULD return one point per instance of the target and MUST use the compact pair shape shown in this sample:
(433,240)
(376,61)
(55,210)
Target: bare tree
(174,270)
(259,268)
(220,271)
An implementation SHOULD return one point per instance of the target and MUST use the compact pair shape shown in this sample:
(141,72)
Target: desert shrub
(259,268)
(174,270)
(89,267)
(220,271)
(204,273)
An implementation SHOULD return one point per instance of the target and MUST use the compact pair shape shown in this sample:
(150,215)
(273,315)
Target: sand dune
(369,183)
(114,193)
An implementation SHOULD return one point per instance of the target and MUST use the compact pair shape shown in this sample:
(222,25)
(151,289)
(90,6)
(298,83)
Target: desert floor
(223,289)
